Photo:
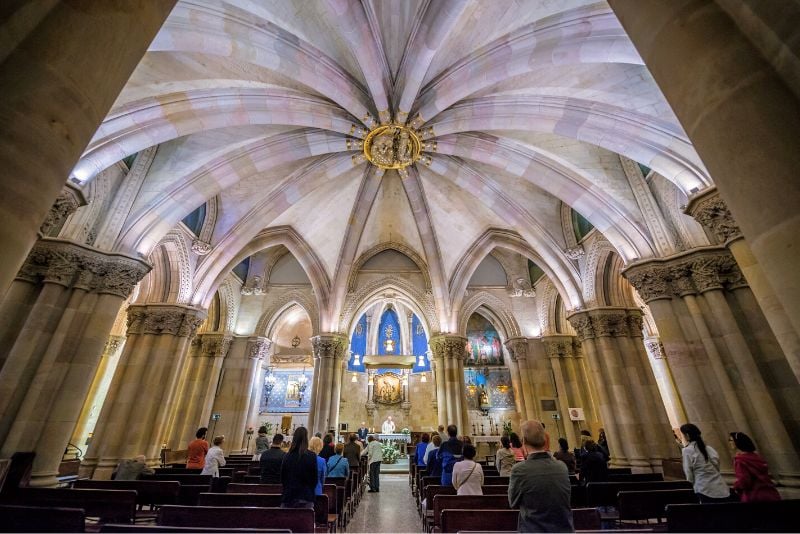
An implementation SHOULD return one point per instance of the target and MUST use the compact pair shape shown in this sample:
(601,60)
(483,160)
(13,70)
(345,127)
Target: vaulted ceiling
(524,105)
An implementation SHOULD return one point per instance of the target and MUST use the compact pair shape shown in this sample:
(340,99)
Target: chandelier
(302,384)
(269,384)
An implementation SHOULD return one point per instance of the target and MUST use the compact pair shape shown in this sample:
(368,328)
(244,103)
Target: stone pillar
(370,404)
(98,390)
(518,350)
(708,208)
(142,393)
(50,365)
(328,350)
(438,375)
(451,350)
(53,103)
(694,50)
(585,390)
(738,394)
(516,384)
(556,348)
(666,384)
(339,366)
(193,408)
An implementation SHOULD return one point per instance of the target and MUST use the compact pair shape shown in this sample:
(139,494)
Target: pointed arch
(280,305)
(499,314)
(418,301)
(170,280)
(381,247)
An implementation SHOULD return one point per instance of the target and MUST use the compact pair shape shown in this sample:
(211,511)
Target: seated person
(133,469)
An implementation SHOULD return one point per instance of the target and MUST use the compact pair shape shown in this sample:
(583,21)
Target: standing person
(422,447)
(215,458)
(352,451)
(388,426)
(133,469)
(602,443)
(337,465)
(701,466)
(539,487)
(262,442)
(315,445)
(753,482)
(271,461)
(467,474)
(504,458)
(450,452)
(374,453)
(516,447)
(434,463)
(442,433)
(433,445)
(563,454)
(593,465)
(299,473)
(362,432)
(327,447)
(197,449)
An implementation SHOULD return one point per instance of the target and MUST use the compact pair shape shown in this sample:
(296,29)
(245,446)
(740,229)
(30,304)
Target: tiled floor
(391,510)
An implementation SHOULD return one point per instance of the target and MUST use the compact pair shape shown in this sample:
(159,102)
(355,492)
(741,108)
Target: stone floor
(393,509)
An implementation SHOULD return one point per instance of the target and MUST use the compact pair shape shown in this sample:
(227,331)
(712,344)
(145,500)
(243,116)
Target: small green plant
(507,428)
(405,431)
(268,426)
(390,454)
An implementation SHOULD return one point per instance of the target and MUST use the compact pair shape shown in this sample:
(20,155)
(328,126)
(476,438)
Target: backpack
(448,462)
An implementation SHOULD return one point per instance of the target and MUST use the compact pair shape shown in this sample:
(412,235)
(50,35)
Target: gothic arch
(279,305)
(421,303)
(381,247)
(603,281)
(170,280)
(496,307)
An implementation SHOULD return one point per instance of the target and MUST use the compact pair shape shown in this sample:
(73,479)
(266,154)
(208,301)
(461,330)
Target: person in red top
(752,473)
(197,450)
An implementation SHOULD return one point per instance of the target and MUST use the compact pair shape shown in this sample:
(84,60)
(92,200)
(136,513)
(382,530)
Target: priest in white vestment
(388,426)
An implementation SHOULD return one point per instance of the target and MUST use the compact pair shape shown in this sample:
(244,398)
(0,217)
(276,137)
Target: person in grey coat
(539,486)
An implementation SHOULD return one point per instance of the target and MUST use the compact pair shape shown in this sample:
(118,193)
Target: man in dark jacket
(271,461)
(352,451)
(539,486)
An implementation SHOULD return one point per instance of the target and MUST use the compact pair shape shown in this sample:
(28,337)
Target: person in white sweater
(215,458)
(468,474)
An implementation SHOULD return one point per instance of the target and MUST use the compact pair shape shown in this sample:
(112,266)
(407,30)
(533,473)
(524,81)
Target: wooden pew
(586,519)
(230,517)
(260,500)
(187,496)
(176,471)
(619,470)
(108,505)
(646,505)
(489,520)
(495,481)
(605,493)
(41,519)
(464,502)
(193,480)
(113,527)
(148,492)
(672,469)
(255,488)
(776,516)
(637,477)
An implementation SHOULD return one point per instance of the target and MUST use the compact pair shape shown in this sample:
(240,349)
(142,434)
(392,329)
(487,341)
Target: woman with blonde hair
(215,458)
(315,445)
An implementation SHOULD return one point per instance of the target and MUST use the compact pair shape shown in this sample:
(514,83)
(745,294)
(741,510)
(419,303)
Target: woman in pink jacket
(753,482)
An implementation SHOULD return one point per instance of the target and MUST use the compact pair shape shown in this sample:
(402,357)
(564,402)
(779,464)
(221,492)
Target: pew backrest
(255,488)
(108,505)
(495,481)
(113,527)
(188,493)
(489,520)
(495,490)
(775,516)
(294,519)
(639,505)
(467,502)
(605,493)
(637,477)
(193,480)
(41,519)
(586,519)
(261,500)
(147,491)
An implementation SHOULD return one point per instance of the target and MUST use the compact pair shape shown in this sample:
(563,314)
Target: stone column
(370,404)
(706,284)
(53,103)
(516,384)
(328,350)
(585,390)
(97,391)
(708,208)
(518,349)
(339,365)
(556,348)
(194,407)
(51,364)
(694,50)
(451,350)
(142,393)
(438,376)
(666,384)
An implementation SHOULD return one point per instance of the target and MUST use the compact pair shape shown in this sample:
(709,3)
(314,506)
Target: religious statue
(382,150)
(392,146)
(388,426)
(404,148)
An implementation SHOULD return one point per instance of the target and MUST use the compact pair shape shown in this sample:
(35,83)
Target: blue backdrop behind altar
(285,396)
(389,337)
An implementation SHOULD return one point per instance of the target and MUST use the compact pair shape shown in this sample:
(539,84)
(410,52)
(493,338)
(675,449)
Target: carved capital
(172,320)
(215,345)
(610,324)
(708,208)
(67,202)
(582,324)
(448,346)
(557,346)
(329,345)
(113,343)
(201,248)
(517,348)
(635,323)
(655,348)
(575,253)
(258,348)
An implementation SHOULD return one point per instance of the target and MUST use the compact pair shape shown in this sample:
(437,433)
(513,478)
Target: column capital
(708,208)
(171,319)
(655,348)
(558,346)
(517,348)
(258,347)
(449,346)
(215,345)
(604,322)
(113,343)
(691,272)
(329,345)
(70,264)
(67,202)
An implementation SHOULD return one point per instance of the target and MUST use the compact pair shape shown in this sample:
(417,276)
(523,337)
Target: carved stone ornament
(687,273)
(521,288)
(557,348)
(710,210)
(517,348)
(575,253)
(655,349)
(67,202)
(215,345)
(448,346)
(610,324)
(292,359)
(583,326)
(172,320)
(255,287)
(329,346)
(72,265)
(113,344)
(201,248)
(392,146)
(258,348)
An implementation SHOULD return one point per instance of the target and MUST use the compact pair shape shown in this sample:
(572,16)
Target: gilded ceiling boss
(392,147)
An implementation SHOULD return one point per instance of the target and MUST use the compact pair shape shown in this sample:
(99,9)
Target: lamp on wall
(302,384)
(424,377)
(269,384)
(356,359)
(295,342)
(354,379)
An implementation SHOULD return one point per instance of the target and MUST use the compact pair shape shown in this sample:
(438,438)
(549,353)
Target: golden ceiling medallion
(392,146)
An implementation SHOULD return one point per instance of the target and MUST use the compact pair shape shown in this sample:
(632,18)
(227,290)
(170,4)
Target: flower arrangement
(507,428)
(405,431)
(268,426)
(390,454)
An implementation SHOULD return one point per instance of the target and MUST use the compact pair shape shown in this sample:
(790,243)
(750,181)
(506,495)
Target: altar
(398,440)
(490,445)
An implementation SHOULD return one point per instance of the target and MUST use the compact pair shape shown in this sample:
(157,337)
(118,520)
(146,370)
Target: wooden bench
(107,505)
(646,505)
(148,492)
(619,470)
(177,471)
(586,519)
(188,493)
(775,516)
(255,488)
(636,477)
(673,469)
(260,500)
(495,481)
(191,480)
(113,527)
(229,517)
(463,502)
(41,519)
(490,520)
(605,493)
